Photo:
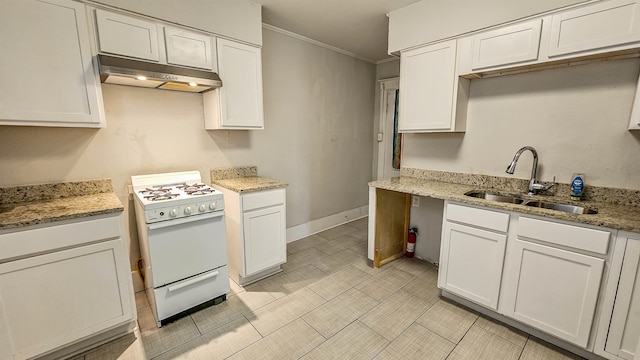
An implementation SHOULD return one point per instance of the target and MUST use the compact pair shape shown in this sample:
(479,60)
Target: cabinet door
(51,300)
(240,68)
(471,263)
(634,120)
(264,239)
(189,49)
(554,290)
(607,23)
(128,36)
(624,330)
(47,76)
(507,46)
(427,84)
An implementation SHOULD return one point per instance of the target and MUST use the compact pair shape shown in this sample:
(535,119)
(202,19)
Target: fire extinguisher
(411,242)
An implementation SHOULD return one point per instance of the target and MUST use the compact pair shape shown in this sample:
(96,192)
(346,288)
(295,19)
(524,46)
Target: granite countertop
(243,179)
(23,206)
(248,184)
(610,215)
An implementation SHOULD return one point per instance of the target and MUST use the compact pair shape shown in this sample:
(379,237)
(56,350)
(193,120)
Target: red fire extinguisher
(411,242)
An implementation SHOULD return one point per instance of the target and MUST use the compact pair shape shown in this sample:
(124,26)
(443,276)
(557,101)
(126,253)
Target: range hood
(115,70)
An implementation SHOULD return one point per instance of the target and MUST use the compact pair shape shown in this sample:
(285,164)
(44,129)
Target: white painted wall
(318,136)
(238,19)
(575,117)
(431,20)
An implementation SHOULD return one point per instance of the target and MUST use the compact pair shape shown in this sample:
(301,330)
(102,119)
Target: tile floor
(329,304)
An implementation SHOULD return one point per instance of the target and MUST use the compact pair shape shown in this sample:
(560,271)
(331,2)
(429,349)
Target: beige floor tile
(360,234)
(417,343)
(339,282)
(480,344)
(425,286)
(366,265)
(536,349)
(234,288)
(395,314)
(385,283)
(333,316)
(302,258)
(306,243)
(283,311)
(336,232)
(218,344)
(335,246)
(159,340)
(141,300)
(506,332)
(413,266)
(448,320)
(146,320)
(337,261)
(128,347)
(361,248)
(286,283)
(290,342)
(356,341)
(362,223)
(232,309)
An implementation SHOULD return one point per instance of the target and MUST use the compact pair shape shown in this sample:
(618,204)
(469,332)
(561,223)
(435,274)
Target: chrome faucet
(533,186)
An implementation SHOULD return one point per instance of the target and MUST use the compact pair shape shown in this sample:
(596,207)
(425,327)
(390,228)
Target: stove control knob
(202,208)
(212,206)
(173,213)
(187,210)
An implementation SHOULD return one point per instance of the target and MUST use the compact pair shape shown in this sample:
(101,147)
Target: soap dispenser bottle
(577,187)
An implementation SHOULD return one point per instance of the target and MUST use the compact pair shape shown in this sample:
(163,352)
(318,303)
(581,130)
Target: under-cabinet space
(392,214)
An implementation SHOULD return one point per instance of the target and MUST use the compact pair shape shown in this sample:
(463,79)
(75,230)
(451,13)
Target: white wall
(318,109)
(431,20)
(575,117)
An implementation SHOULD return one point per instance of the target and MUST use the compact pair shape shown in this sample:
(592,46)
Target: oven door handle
(166,223)
(193,281)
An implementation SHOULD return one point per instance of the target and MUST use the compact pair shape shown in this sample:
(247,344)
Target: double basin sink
(514,199)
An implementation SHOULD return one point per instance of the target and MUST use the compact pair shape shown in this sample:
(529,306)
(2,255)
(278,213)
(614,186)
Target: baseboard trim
(318,225)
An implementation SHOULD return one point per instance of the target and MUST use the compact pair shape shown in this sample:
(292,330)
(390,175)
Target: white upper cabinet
(603,24)
(429,90)
(238,103)
(47,74)
(125,35)
(509,45)
(188,48)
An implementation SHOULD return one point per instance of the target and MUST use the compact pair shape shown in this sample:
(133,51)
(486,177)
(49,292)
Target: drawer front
(487,219)
(262,199)
(576,237)
(46,239)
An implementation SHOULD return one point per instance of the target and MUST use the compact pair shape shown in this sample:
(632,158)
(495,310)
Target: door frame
(384,85)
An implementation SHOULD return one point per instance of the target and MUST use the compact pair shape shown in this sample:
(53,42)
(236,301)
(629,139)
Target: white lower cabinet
(50,298)
(622,303)
(471,259)
(256,233)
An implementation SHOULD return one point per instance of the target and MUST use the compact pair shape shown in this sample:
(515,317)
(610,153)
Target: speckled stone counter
(610,214)
(22,206)
(243,179)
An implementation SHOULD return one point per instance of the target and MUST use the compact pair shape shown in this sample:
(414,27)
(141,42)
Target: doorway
(389,140)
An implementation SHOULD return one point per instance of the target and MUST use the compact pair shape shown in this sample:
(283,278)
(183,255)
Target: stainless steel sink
(495,197)
(514,199)
(573,209)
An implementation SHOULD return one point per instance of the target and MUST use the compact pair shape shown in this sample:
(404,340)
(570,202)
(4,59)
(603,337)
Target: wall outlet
(379,136)
(415,200)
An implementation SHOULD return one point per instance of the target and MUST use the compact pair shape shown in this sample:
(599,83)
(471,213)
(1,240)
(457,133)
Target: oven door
(186,247)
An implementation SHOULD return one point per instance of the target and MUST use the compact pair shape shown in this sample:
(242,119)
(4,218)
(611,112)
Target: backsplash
(234,173)
(514,185)
(27,193)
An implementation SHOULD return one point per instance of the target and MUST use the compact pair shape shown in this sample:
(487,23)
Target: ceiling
(356,26)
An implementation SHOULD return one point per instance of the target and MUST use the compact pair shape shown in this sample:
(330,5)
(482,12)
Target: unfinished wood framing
(392,223)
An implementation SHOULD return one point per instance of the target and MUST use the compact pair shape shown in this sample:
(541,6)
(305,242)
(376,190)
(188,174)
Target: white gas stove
(182,234)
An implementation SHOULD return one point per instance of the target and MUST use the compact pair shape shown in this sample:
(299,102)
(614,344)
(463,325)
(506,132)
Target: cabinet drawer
(576,237)
(262,199)
(478,217)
